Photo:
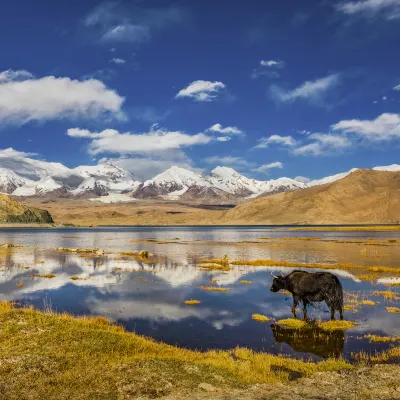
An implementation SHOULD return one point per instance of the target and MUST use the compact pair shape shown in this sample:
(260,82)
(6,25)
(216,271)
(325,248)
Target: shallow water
(148,298)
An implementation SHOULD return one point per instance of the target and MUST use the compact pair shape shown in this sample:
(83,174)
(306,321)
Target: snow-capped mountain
(9,180)
(91,187)
(330,179)
(171,184)
(106,182)
(228,180)
(45,186)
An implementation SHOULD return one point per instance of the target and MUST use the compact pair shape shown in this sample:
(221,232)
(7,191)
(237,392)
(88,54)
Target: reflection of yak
(316,341)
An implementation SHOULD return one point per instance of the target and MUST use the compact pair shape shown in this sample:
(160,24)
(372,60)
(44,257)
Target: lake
(148,297)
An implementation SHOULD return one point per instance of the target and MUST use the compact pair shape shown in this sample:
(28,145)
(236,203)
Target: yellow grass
(292,323)
(192,302)
(395,310)
(51,356)
(244,282)
(387,295)
(382,339)
(213,289)
(212,267)
(48,276)
(378,357)
(260,318)
(20,284)
(367,303)
(350,228)
(336,325)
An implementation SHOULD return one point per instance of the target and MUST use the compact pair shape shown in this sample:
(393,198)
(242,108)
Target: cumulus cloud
(54,98)
(268,68)
(389,9)
(118,61)
(397,88)
(303,179)
(266,167)
(323,144)
(201,90)
(157,140)
(147,166)
(309,90)
(223,138)
(275,139)
(127,22)
(11,75)
(384,127)
(229,130)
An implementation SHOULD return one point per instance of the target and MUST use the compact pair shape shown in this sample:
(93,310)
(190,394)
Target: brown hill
(11,211)
(364,196)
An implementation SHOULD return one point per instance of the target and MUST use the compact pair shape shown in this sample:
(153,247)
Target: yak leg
(341,313)
(305,303)
(295,303)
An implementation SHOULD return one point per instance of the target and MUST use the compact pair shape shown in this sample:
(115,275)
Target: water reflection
(148,297)
(315,341)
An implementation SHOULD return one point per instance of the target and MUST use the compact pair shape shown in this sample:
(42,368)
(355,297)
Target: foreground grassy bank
(46,355)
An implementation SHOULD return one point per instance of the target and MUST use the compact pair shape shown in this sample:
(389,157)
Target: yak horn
(281,273)
(274,275)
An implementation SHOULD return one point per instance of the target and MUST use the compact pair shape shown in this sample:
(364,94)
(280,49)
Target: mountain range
(26,177)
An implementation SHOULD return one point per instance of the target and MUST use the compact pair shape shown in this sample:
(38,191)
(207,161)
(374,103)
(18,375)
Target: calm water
(149,298)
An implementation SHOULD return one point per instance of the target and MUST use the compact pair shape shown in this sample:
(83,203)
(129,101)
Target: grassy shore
(47,355)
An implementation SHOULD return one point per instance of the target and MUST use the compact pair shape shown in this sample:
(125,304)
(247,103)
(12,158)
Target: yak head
(278,283)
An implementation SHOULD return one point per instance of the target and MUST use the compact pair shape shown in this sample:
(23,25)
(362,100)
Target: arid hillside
(11,211)
(364,196)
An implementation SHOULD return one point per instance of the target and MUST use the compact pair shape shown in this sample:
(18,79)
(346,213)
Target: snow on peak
(106,170)
(176,176)
(46,185)
(9,180)
(332,178)
(393,167)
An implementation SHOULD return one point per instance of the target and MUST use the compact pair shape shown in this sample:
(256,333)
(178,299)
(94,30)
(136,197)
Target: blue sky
(288,88)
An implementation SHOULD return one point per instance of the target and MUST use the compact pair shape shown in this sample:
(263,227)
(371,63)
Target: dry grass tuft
(244,282)
(395,310)
(216,267)
(260,318)
(367,303)
(336,325)
(192,302)
(292,323)
(383,339)
(377,358)
(213,289)
(387,295)
(47,276)
(20,284)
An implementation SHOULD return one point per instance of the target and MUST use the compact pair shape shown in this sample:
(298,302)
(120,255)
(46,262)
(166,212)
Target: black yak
(309,288)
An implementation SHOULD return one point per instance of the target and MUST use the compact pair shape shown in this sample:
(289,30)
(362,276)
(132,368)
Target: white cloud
(11,75)
(54,98)
(157,140)
(276,139)
(309,90)
(126,22)
(10,152)
(384,127)
(146,167)
(118,61)
(303,179)
(201,90)
(223,139)
(397,87)
(233,130)
(390,9)
(323,144)
(228,160)
(272,64)
(266,167)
